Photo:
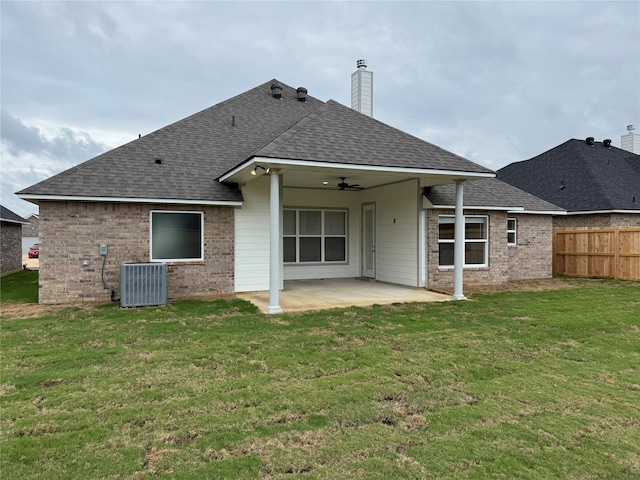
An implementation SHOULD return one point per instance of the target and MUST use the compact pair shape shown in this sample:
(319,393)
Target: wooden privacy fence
(607,252)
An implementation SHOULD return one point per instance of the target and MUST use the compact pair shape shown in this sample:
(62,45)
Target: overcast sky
(495,82)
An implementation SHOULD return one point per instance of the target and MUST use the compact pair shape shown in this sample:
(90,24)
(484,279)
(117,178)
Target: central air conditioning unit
(143,284)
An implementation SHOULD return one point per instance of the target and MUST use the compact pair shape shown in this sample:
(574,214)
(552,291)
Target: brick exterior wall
(11,247)
(32,229)
(71,233)
(598,220)
(531,258)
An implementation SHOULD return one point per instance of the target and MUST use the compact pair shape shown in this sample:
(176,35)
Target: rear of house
(274,185)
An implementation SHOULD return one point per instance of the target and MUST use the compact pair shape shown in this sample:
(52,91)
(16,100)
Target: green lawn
(531,385)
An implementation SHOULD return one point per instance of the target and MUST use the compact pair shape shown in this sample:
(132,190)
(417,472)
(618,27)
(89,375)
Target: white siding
(362,92)
(295,197)
(252,238)
(397,220)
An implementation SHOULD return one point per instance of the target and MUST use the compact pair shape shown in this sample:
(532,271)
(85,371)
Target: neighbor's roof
(194,152)
(580,177)
(7,215)
(491,194)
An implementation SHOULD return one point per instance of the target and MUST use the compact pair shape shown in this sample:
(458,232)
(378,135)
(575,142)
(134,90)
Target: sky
(493,81)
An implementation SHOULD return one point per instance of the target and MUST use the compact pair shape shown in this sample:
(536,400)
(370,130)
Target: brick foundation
(71,234)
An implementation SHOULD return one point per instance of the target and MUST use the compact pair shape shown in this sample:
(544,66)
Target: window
(476,244)
(314,236)
(512,228)
(177,236)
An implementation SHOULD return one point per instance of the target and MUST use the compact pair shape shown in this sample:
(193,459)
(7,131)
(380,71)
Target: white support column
(275,279)
(458,247)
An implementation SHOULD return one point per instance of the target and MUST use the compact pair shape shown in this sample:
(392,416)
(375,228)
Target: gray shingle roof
(197,150)
(490,192)
(580,177)
(338,134)
(7,215)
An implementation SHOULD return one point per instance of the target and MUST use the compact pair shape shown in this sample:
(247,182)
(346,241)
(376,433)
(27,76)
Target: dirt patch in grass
(17,310)
(538,285)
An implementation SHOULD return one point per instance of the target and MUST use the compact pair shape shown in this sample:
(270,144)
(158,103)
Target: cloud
(62,145)
(31,153)
(495,82)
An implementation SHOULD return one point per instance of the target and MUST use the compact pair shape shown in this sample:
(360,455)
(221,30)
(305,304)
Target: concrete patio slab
(303,295)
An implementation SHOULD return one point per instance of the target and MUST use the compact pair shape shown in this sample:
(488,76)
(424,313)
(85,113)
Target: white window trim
(176,260)
(473,240)
(514,231)
(322,236)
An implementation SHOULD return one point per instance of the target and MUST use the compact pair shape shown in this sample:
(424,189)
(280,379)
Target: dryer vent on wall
(143,284)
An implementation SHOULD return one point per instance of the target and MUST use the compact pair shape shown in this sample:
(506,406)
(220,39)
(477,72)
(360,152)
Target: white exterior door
(369,241)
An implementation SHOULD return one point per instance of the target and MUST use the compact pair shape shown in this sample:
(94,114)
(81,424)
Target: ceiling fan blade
(343,185)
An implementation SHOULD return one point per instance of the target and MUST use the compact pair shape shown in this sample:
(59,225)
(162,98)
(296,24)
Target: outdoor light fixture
(259,170)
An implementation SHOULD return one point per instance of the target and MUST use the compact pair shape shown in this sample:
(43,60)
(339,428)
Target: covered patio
(306,295)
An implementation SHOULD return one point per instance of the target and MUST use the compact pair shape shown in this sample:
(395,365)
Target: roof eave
(543,212)
(597,212)
(496,208)
(239,174)
(168,201)
(10,220)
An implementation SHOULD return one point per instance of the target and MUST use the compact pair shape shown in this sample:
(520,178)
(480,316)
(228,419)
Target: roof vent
(589,140)
(302,94)
(606,142)
(276,90)
(158,161)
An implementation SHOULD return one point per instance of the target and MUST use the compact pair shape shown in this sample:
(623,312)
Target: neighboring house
(30,232)
(508,234)
(11,246)
(597,183)
(253,191)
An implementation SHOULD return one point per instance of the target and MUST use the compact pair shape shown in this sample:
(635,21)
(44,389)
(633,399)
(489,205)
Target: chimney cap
(361,64)
(630,128)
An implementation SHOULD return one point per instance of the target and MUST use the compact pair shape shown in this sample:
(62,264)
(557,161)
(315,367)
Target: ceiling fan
(345,186)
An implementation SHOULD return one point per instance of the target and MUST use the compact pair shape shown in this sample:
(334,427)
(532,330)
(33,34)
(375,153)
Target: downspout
(275,279)
(458,247)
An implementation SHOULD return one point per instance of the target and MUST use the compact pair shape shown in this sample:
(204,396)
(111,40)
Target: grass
(19,287)
(534,385)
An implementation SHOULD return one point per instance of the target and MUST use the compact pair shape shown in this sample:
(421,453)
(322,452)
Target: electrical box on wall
(103,249)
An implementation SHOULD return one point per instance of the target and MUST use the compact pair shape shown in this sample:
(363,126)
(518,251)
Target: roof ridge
(290,132)
(596,179)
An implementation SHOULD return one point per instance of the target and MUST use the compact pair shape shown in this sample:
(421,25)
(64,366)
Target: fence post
(616,253)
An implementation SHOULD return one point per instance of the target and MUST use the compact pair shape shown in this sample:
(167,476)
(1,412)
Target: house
(596,183)
(268,186)
(11,234)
